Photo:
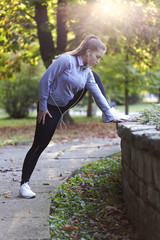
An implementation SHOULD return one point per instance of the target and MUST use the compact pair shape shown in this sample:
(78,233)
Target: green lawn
(136,107)
(4,122)
(30,120)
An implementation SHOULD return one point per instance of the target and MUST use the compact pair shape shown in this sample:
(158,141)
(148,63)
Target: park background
(33,32)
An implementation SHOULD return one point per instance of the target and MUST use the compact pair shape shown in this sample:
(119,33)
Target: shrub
(151,117)
(19,93)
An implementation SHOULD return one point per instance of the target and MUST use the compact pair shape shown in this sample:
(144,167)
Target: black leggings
(44,133)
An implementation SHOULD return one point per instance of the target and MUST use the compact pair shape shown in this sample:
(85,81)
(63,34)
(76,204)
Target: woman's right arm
(51,74)
(54,70)
(42,116)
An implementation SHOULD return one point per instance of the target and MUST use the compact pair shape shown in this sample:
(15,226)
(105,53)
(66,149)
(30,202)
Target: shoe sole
(21,196)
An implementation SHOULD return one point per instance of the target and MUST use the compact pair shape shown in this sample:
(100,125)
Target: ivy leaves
(89,205)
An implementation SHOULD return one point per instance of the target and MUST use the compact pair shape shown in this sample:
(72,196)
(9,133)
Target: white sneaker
(26,192)
(117,115)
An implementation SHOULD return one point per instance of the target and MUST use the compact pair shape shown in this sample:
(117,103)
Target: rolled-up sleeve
(100,100)
(51,74)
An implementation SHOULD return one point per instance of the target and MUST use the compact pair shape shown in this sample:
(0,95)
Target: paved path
(25,219)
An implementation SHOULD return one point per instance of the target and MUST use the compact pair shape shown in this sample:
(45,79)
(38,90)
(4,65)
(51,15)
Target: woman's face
(93,57)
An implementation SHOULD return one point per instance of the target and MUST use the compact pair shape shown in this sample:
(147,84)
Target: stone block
(156,171)
(140,146)
(148,140)
(131,179)
(148,167)
(126,151)
(143,216)
(142,164)
(137,162)
(131,201)
(154,197)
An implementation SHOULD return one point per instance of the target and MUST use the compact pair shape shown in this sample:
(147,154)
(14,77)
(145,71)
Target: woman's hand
(119,120)
(42,115)
(118,116)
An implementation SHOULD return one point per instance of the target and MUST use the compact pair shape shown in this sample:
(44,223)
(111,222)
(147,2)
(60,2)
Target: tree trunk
(61,26)
(44,34)
(126,88)
(47,49)
(89,109)
(62,39)
(126,97)
(67,118)
(159,95)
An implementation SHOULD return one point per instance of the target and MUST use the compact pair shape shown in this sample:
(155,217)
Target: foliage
(151,116)
(128,28)
(135,98)
(89,205)
(18,36)
(18,97)
(112,71)
(20,92)
(152,77)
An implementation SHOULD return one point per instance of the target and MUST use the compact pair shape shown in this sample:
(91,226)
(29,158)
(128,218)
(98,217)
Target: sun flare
(112,8)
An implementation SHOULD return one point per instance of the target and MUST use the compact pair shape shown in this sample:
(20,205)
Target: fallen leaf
(62,178)
(4,171)
(94,219)
(46,184)
(16,175)
(6,197)
(67,227)
(15,180)
(75,236)
(110,209)
(7,192)
(83,210)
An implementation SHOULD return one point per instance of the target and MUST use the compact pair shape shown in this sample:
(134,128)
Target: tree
(47,48)
(61,26)
(133,32)
(19,93)
(23,29)
(129,28)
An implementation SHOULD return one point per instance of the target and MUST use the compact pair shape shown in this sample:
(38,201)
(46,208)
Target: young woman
(61,87)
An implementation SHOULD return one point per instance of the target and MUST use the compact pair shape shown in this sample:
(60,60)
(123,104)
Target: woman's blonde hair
(91,42)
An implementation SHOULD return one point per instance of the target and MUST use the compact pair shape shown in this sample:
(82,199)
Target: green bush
(134,98)
(151,116)
(19,93)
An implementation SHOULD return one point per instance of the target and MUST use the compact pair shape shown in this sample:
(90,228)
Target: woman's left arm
(102,101)
(99,99)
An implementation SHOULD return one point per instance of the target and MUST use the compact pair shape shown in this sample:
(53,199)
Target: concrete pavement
(26,219)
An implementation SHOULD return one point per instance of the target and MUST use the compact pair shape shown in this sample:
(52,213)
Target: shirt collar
(80,63)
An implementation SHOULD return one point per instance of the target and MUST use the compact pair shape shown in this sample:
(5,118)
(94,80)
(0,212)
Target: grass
(6,121)
(89,206)
(136,107)
(21,131)
(10,122)
(16,131)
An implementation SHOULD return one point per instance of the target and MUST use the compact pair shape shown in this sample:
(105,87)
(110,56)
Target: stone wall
(140,146)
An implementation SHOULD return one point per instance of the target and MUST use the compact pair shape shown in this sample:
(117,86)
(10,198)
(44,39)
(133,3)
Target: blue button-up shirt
(64,78)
